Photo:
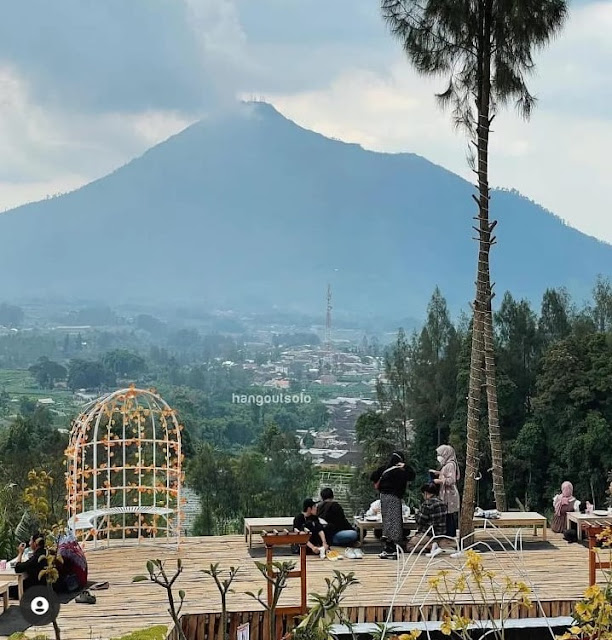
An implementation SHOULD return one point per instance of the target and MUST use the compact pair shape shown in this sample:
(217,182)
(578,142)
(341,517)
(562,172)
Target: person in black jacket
(338,530)
(308,521)
(391,480)
(33,565)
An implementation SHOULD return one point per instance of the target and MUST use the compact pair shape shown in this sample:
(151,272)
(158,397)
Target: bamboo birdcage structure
(125,469)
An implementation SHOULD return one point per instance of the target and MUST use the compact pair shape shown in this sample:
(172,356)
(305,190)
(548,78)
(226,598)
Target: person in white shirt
(374,509)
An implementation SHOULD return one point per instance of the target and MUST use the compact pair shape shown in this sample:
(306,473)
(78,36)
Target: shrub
(152,633)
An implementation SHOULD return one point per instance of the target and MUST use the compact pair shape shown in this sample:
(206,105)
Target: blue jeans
(346,537)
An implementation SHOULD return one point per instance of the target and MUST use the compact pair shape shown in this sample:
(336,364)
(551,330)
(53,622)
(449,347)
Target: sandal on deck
(85,598)
(99,586)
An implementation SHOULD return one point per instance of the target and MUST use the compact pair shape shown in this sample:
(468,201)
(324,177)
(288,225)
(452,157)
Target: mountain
(250,211)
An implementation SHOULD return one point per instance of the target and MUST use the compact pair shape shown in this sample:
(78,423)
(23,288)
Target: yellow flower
(584,610)
(592,592)
(474,561)
(446,627)
(575,630)
(461,584)
(434,582)
(462,623)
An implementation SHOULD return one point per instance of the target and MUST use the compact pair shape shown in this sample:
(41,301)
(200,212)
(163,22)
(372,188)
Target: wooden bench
(593,529)
(11,578)
(4,592)
(516,520)
(257,525)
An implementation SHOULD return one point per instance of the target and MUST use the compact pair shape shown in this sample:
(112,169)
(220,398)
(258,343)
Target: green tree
(11,315)
(434,380)
(124,363)
(555,322)
(573,407)
(602,307)
(376,437)
(27,445)
(85,374)
(518,359)
(291,476)
(485,48)
(394,393)
(47,372)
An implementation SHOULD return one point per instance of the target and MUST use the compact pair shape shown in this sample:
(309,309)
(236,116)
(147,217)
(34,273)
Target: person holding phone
(33,565)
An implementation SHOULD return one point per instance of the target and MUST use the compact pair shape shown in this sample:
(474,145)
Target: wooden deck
(558,573)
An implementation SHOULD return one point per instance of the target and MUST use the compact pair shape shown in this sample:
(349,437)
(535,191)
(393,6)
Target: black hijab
(397,457)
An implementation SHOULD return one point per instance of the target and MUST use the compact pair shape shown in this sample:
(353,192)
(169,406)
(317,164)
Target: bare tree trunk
(466,525)
(481,303)
(494,430)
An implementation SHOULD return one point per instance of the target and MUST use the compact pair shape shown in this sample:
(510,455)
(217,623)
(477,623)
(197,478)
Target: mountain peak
(249,210)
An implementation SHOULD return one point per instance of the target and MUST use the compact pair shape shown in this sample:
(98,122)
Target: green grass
(16,380)
(19,383)
(153,633)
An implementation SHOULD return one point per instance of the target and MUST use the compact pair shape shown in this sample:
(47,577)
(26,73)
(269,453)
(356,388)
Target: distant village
(355,376)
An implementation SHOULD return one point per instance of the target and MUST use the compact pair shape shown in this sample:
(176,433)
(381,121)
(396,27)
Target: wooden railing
(207,626)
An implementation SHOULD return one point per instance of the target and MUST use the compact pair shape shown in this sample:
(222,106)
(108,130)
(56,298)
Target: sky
(86,85)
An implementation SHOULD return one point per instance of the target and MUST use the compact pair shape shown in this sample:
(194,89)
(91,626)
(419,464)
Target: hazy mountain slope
(251,210)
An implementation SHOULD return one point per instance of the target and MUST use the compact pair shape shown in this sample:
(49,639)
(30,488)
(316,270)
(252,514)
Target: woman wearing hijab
(391,480)
(447,478)
(563,503)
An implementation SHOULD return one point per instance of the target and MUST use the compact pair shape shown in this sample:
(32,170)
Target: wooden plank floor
(557,571)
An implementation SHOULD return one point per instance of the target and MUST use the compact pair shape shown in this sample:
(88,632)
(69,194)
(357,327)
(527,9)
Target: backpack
(570,535)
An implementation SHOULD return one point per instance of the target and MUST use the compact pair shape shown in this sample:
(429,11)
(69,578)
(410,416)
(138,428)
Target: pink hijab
(567,493)
(447,453)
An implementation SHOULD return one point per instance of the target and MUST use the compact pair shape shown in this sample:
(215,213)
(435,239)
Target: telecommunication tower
(328,321)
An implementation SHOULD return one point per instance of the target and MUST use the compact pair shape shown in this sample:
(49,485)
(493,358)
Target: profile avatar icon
(40,606)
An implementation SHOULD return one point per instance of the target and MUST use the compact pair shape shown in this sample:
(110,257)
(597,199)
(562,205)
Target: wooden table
(9,576)
(580,519)
(517,520)
(364,525)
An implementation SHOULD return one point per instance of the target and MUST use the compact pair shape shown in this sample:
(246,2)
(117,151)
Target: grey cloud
(107,55)
(312,21)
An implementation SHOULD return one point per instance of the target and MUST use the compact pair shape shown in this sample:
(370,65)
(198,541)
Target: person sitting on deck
(564,503)
(32,566)
(308,521)
(338,529)
(430,520)
(73,569)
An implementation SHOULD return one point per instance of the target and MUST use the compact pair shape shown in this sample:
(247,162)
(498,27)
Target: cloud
(120,55)
(87,85)
(45,151)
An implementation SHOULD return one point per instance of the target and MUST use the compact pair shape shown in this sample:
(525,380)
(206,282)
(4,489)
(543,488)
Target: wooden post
(303,592)
(286,538)
(269,560)
(593,530)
